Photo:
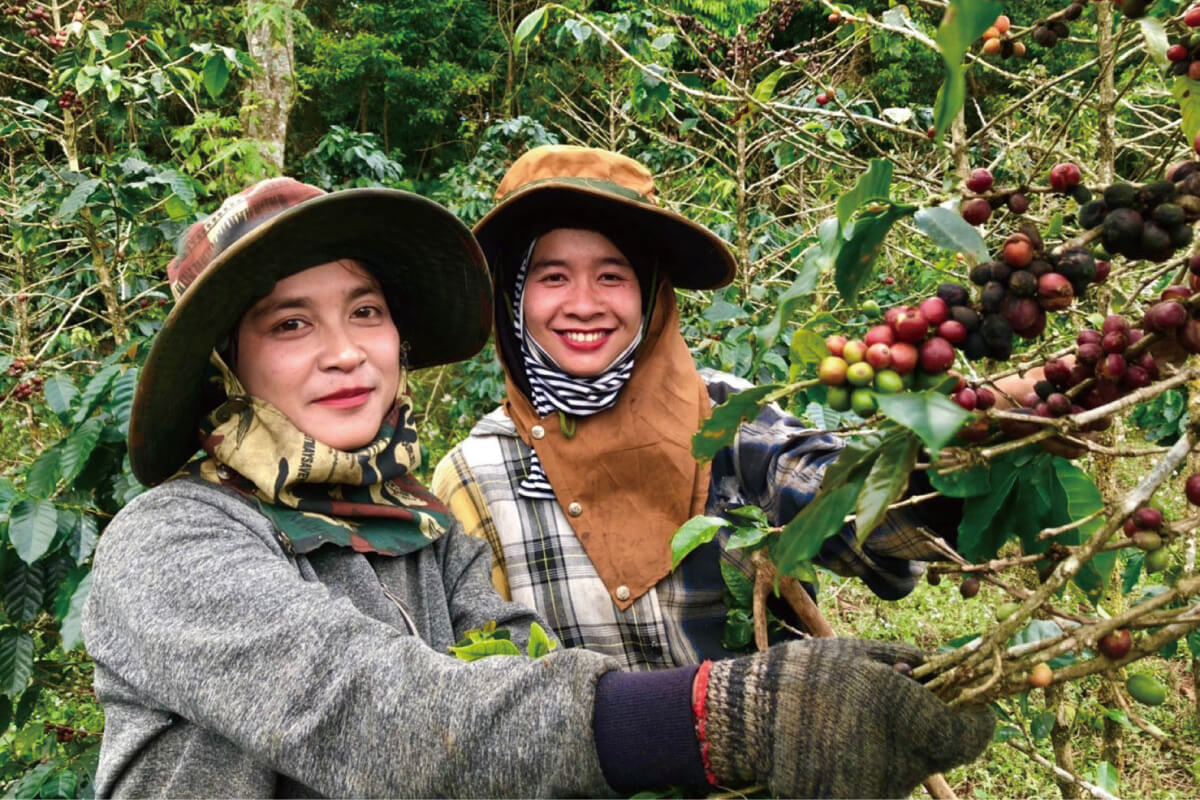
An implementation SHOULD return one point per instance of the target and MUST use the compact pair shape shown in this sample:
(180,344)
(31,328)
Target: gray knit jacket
(228,667)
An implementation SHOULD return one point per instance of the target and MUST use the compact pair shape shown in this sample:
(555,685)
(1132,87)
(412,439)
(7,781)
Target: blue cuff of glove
(646,732)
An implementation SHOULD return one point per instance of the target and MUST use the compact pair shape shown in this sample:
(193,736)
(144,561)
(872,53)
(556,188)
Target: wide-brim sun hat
(432,271)
(562,184)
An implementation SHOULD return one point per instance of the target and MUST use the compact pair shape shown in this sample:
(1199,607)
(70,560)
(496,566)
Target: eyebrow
(551,261)
(302,302)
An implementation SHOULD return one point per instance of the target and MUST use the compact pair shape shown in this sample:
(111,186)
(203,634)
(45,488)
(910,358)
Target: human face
(322,348)
(582,301)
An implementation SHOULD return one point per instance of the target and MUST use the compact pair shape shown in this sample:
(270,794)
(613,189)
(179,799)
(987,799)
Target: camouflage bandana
(364,499)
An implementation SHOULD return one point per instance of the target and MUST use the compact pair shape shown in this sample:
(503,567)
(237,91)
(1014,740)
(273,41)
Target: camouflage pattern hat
(561,185)
(431,269)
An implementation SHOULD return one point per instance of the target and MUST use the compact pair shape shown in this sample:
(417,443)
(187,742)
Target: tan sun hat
(559,184)
(430,267)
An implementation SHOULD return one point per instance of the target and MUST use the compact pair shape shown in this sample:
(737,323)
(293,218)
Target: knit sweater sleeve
(199,613)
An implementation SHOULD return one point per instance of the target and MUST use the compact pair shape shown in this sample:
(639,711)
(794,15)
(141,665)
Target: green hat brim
(693,256)
(432,271)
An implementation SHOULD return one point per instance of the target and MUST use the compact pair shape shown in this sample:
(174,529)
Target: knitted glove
(829,718)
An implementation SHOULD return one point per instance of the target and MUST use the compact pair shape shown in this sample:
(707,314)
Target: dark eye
(368,312)
(289,325)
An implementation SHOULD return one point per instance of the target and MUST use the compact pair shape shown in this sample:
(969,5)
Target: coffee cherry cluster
(1184,55)
(69,99)
(912,348)
(976,210)
(1150,221)
(1144,527)
(27,389)
(997,43)
(1048,34)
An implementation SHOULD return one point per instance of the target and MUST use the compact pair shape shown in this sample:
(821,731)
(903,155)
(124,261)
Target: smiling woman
(323,349)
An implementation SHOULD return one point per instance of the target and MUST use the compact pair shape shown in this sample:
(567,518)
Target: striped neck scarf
(553,389)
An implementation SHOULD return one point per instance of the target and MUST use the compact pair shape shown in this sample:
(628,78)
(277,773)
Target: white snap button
(622,593)
(537,432)
(574,509)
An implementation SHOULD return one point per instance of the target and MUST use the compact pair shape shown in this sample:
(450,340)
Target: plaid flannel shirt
(775,463)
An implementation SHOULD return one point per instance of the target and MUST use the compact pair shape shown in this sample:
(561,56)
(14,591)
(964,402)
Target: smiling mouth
(346,398)
(585,337)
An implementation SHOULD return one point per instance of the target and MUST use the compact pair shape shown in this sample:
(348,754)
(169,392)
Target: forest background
(124,122)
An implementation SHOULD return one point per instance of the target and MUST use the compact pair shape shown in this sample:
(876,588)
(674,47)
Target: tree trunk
(1060,738)
(268,96)
(1108,94)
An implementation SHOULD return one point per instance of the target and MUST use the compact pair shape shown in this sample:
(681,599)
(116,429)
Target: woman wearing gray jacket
(273,618)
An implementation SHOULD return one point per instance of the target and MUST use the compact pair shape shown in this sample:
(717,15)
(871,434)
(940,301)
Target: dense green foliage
(114,143)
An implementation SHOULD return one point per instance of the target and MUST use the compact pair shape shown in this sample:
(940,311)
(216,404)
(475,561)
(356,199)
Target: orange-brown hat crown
(555,162)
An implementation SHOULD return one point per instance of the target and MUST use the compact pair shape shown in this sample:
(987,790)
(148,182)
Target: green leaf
(215,75)
(885,483)
(121,398)
(978,515)
(6,714)
(950,231)
(31,528)
(24,587)
(693,533)
(539,642)
(786,305)
(25,705)
(963,23)
(801,539)
(1187,92)
(531,25)
(856,458)
(738,585)
(873,185)
(743,514)
(1133,571)
(1005,732)
(16,660)
(930,415)
(61,784)
(766,87)
(964,482)
(1041,725)
(43,475)
(1193,643)
(77,198)
(72,623)
(78,447)
(745,537)
(1106,776)
(95,388)
(721,427)
(807,350)
(60,392)
(856,257)
(663,41)
(1081,499)
(1155,36)
(485,649)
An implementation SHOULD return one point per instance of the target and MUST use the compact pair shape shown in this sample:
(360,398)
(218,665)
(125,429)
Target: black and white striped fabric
(553,389)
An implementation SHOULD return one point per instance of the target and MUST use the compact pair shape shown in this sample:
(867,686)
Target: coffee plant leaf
(1005,732)
(743,515)
(539,643)
(95,389)
(976,540)
(485,649)
(746,537)
(24,586)
(854,461)
(806,350)
(693,533)
(77,199)
(23,708)
(964,482)
(824,516)
(6,714)
(1041,725)
(1193,643)
(61,784)
(1187,92)
(16,661)
(931,415)
(42,477)
(873,185)
(948,230)
(31,528)
(963,23)
(739,586)
(1133,572)
(885,483)
(532,24)
(1077,498)
(721,427)
(786,306)
(1155,37)
(84,538)
(60,393)
(215,75)
(864,239)
(1106,776)
(78,447)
